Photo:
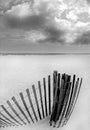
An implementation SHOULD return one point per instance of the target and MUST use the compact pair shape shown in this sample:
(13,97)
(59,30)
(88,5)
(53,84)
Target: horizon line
(76,53)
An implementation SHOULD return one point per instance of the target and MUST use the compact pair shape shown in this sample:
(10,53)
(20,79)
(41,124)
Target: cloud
(44,22)
(41,23)
(36,18)
(32,22)
(88,2)
(53,35)
(83,39)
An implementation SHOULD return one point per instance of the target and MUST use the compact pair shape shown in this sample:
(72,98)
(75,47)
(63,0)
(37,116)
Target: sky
(23,29)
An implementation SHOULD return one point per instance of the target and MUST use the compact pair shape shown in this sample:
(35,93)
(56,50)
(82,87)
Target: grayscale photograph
(44,64)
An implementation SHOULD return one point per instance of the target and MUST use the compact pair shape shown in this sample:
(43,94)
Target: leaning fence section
(54,96)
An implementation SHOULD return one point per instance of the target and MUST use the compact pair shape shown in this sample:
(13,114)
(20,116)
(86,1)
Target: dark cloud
(53,35)
(44,23)
(84,39)
(88,2)
(32,22)
(41,22)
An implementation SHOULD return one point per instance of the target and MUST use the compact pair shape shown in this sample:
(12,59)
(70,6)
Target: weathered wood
(57,88)
(57,102)
(10,115)
(58,80)
(45,95)
(2,126)
(66,77)
(25,105)
(73,95)
(36,100)
(41,99)
(64,104)
(12,108)
(49,93)
(54,94)
(75,100)
(2,122)
(19,107)
(61,96)
(1,119)
(11,122)
(54,84)
(64,96)
(31,104)
(67,105)
(60,102)
(73,87)
(54,108)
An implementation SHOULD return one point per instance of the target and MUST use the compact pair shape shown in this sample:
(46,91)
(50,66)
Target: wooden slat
(75,100)
(41,99)
(36,100)
(58,80)
(57,87)
(71,102)
(54,84)
(31,104)
(49,93)
(19,107)
(61,96)
(65,95)
(11,122)
(2,125)
(57,102)
(64,104)
(10,114)
(5,121)
(66,77)
(25,105)
(64,116)
(73,96)
(45,95)
(12,108)
(73,87)
(55,91)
